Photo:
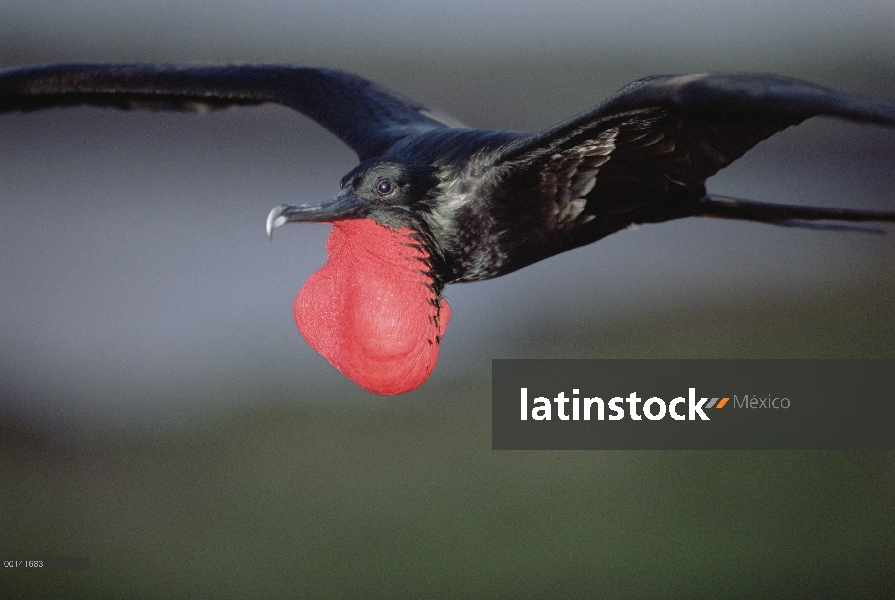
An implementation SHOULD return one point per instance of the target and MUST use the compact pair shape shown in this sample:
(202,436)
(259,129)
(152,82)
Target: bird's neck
(374,310)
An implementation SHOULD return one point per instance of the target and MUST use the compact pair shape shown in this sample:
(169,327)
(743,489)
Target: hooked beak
(343,205)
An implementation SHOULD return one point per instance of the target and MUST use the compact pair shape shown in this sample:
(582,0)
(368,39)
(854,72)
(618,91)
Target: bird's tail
(726,207)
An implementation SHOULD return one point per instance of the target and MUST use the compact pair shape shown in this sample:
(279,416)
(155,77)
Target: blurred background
(160,413)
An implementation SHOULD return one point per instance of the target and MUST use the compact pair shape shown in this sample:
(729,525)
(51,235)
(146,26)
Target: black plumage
(485,203)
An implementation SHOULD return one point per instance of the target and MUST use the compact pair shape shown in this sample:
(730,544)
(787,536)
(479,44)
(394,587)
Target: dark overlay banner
(693,404)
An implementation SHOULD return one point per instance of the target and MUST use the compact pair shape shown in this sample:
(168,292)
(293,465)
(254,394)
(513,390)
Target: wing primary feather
(365,115)
(736,208)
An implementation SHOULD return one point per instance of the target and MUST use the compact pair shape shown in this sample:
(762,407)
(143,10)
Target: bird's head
(388,192)
(374,310)
(385,189)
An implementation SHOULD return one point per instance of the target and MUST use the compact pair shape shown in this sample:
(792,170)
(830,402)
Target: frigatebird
(434,202)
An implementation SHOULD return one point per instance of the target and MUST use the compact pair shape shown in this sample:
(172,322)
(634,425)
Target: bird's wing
(658,139)
(366,116)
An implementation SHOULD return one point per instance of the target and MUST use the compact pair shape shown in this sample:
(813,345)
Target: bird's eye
(384,187)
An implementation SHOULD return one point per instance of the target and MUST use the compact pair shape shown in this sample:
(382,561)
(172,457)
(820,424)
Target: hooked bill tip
(275,219)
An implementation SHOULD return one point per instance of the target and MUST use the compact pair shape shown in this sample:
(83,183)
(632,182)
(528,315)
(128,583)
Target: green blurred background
(161,415)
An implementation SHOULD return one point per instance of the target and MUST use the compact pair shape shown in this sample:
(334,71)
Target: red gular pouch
(370,309)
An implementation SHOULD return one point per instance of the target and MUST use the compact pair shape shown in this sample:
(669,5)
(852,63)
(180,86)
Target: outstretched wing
(366,116)
(644,154)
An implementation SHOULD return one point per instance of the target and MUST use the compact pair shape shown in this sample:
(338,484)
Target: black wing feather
(754,106)
(366,116)
(662,137)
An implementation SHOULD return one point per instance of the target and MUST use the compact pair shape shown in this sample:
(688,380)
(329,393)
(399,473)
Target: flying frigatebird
(433,202)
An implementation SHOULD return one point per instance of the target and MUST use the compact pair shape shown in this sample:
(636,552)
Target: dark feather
(364,115)
(645,153)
